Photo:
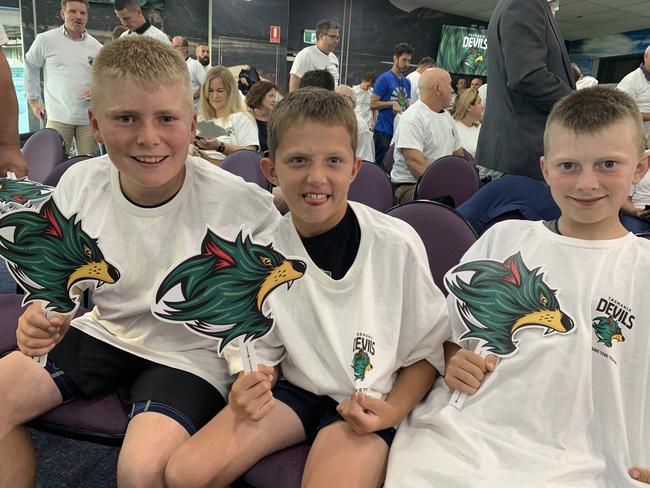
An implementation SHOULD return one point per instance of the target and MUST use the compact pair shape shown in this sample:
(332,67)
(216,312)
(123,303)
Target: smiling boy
(359,336)
(566,406)
(148,204)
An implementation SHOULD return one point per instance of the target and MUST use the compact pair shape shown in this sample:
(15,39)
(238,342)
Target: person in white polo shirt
(65,54)
(425,133)
(11,159)
(130,14)
(320,56)
(197,72)
(637,85)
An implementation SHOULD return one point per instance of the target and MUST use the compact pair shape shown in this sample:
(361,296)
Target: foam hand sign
(52,258)
(219,293)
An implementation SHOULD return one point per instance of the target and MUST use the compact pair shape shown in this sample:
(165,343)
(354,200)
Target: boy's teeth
(149,159)
(317,196)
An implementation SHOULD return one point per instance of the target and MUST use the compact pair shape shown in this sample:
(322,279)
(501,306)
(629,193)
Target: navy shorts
(316,411)
(82,366)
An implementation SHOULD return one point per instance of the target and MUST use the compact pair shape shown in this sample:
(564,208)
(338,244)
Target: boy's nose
(148,136)
(587,180)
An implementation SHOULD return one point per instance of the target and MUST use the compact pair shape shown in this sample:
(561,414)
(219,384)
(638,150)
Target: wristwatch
(221,147)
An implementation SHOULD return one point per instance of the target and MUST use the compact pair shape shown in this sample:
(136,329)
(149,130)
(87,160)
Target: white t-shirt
(636,85)
(565,409)
(3,36)
(433,134)
(152,31)
(365,143)
(197,75)
(144,243)
(363,103)
(66,67)
(387,303)
(311,58)
(415,90)
(242,131)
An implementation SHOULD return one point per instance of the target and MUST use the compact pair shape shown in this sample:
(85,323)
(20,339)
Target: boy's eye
(609,164)
(125,119)
(567,166)
(297,160)
(167,118)
(334,160)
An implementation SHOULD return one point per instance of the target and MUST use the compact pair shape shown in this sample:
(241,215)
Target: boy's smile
(314,166)
(147,134)
(590,176)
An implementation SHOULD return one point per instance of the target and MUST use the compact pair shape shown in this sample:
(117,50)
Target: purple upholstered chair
(102,419)
(246,163)
(53,178)
(282,469)
(389,159)
(445,233)
(372,187)
(43,151)
(449,176)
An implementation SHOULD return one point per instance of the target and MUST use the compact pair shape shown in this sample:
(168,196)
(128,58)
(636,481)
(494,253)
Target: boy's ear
(94,125)
(641,167)
(268,168)
(544,167)
(193,128)
(356,167)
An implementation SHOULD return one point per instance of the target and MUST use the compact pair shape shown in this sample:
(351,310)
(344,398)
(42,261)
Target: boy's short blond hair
(311,105)
(591,110)
(145,61)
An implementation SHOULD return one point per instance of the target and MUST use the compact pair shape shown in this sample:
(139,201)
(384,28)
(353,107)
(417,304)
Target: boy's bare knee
(140,472)
(183,471)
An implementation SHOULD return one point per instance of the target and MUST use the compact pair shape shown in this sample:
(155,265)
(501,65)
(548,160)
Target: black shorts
(316,411)
(84,366)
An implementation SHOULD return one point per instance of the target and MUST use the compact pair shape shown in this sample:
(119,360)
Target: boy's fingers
(491,362)
(640,474)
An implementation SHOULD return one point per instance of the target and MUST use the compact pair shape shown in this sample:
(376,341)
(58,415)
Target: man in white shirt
(197,72)
(11,159)
(637,85)
(365,144)
(363,93)
(130,15)
(425,133)
(320,56)
(66,55)
(424,64)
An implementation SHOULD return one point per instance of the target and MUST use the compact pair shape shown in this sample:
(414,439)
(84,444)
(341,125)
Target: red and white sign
(274,34)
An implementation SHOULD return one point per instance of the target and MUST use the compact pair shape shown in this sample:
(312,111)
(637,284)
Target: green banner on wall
(463,50)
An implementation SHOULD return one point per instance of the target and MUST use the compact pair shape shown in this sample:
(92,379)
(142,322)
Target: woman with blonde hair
(223,126)
(468,113)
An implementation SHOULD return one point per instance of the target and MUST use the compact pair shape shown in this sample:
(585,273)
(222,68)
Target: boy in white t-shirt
(358,339)
(147,205)
(564,305)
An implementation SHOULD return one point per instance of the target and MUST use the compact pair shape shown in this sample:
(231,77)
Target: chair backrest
(445,233)
(246,163)
(372,187)
(55,175)
(451,176)
(389,159)
(43,151)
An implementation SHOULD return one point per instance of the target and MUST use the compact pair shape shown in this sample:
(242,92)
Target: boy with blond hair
(148,205)
(563,305)
(359,337)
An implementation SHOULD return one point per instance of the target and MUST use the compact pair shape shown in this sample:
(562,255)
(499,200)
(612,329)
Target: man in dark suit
(528,71)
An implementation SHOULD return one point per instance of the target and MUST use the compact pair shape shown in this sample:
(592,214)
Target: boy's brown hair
(592,110)
(311,105)
(143,60)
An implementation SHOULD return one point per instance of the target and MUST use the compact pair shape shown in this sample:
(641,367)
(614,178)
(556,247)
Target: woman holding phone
(223,126)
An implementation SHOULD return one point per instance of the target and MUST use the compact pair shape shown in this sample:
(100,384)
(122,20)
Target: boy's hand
(640,474)
(466,370)
(36,335)
(365,414)
(397,108)
(250,397)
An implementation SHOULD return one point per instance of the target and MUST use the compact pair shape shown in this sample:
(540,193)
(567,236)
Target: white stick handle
(247,351)
(458,397)
(42,360)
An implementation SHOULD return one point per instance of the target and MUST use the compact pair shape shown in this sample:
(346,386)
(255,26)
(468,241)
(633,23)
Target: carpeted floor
(66,463)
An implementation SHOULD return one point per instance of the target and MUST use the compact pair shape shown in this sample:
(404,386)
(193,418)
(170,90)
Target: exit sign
(309,36)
